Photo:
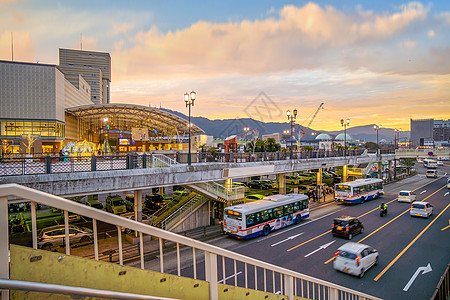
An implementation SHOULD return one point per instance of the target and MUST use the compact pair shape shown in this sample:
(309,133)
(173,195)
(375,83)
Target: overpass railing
(189,258)
(13,165)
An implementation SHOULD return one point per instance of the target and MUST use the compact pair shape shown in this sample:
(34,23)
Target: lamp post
(345,124)
(189,98)
(397,134)
(377,128)
(291,117)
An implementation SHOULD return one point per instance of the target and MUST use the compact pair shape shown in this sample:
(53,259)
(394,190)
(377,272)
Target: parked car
(406,196)
(115,204)
(355,259)
(92,201)
(254,197)
(154,201)
(346,226)
(242,184)
(270,183)
(129,202)
(421,209)
(258,184)
(431,173)
(440,163)
(55,236)
(145,219)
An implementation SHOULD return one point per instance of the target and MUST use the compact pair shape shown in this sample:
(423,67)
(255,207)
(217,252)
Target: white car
(421,209)
(406,196)
(355,259)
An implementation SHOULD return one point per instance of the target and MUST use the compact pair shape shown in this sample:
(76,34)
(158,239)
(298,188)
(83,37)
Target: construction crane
(303,130)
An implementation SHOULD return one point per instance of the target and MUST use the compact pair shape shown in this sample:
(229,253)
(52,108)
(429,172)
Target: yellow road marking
(446,226)
(331,259)
(370,211)
(412,242)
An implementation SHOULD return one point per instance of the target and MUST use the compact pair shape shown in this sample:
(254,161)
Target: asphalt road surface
(408,246)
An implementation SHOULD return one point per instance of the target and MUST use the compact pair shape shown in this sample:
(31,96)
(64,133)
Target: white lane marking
(423,192)
(445,174)
(424,270)
(320,248)
(231,276)
(295,227)
(289,238)
(446,194)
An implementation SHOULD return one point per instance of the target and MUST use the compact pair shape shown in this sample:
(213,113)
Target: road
(405,244)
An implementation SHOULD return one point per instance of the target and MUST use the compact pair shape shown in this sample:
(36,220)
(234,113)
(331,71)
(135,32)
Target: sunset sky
(371,61)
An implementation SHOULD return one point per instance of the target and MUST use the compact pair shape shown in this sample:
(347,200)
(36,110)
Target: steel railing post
(211,274)
(4,244)
(48,165)
(93,163)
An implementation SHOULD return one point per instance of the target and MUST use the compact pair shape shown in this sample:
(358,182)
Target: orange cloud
(23,46)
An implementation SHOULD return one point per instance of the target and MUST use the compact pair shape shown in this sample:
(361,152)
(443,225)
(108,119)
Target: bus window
(297,206)
(305,204)
(278,212)
(234,215)
(257,218)
(250,219)
(288,209)
(343,188)
(266,215)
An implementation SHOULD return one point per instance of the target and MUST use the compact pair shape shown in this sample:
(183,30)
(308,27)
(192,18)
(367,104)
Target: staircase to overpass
(183,268)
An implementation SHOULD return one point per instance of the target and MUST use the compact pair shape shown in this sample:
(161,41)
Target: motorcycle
(383,212)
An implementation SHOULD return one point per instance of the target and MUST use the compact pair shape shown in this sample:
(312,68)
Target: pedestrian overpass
(183,269)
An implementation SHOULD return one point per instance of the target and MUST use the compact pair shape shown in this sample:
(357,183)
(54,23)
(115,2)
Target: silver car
(355,259)
(421,209)
(55,236)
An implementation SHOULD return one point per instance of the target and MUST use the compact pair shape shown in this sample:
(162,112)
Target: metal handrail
(72,290)
(179,212)
(211,252)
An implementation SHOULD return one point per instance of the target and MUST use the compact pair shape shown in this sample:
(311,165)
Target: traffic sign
(430,153)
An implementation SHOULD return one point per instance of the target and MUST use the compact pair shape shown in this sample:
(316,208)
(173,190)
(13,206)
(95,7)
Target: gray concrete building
(95,67)
(421,132)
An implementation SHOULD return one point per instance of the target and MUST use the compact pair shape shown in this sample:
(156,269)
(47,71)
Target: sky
(381,62)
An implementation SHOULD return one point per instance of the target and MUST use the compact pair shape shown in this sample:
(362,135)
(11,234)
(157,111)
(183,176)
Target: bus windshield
(343,188)
(234,215)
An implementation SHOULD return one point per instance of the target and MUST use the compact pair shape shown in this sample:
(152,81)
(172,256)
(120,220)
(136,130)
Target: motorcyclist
(383,208)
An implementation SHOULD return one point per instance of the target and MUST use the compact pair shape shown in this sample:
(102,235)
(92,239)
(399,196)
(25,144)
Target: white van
(406,196)
(431,173)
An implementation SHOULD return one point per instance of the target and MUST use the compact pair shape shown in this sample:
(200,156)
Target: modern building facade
(441,131)
(33,99)
(95,67)
(421,132)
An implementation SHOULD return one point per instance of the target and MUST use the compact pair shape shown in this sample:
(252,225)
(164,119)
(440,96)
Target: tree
(29,140)
(272,145)
(307,148)
(371,146)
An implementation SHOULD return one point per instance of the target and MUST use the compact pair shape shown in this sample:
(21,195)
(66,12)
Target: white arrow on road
(420,269)
(289,238)
(446,194)
(320,248)
(423,192)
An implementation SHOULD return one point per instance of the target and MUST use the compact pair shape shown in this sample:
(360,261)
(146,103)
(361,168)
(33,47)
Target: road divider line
(331,259)
(370,211)
(412,242)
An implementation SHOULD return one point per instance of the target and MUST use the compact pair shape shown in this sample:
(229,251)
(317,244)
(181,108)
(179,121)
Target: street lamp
(345,124)
(189,98)
(291,117)
(377,128)
(397,134)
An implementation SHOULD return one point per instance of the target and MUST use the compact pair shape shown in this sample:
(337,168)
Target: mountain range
(220,129)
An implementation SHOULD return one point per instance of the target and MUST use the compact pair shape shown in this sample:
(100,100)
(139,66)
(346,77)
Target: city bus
(359,191)
(263,216)
(430,163)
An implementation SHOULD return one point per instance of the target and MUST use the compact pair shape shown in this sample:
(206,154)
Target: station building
(45,107)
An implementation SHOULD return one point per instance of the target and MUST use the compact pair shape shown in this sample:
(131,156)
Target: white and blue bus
(430,163)
(263,216)
(359,191)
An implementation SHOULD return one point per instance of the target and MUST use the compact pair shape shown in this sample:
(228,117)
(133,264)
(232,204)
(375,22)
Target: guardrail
(442,291)
(18,166)
(219,263)
(180,213)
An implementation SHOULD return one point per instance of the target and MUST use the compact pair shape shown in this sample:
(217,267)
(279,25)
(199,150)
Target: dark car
(154,201)
(346,226)
(255,184)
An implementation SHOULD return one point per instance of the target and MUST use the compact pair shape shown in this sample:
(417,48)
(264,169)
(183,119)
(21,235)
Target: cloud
(431,33)
(301,38)
(408,44)
(89,43)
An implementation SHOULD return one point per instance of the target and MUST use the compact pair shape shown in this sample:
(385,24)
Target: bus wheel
(266,230)
(297,219)
(362,200)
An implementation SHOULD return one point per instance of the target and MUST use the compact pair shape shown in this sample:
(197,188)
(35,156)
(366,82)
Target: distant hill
(221,129)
